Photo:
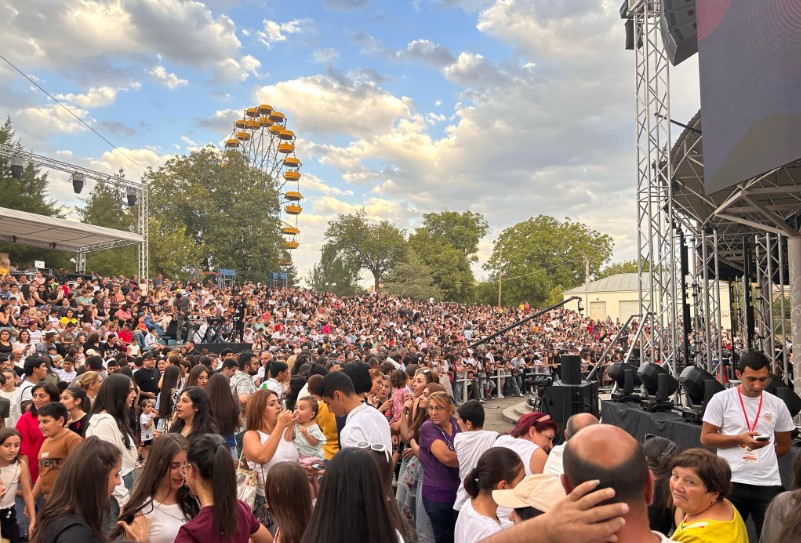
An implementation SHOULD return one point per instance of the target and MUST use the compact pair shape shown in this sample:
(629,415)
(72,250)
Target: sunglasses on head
(668,450)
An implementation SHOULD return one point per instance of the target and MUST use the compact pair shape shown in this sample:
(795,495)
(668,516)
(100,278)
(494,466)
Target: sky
(508,108)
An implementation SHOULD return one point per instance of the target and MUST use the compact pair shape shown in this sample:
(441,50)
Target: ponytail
(224,492)
(471,483)
(211,458)
(495,465)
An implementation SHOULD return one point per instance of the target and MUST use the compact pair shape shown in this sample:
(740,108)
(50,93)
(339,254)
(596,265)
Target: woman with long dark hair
(160,493)
(111,421)
(198,377)
(74,510)
(170,388)
(77,403)
(211,477)
(193,414)
(287,489)
(659,453)
(352,489)
(224,409)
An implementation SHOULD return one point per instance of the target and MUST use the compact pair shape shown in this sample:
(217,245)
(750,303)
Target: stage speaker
(561,401)
(571,369)
(677,24)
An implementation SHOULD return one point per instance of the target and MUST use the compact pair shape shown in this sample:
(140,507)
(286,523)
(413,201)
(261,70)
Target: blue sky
(510,108)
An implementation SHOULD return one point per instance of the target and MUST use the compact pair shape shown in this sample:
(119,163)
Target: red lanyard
(759,410)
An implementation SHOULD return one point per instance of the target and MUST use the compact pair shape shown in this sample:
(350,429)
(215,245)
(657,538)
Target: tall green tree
(104,207)
(448,244)
(171,251)
(334,274)
(28,193)
(228,206)
(627,266)
(534,256)
(376,247)
(411,278)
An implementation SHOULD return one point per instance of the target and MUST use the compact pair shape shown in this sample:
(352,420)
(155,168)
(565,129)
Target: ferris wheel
(261,136)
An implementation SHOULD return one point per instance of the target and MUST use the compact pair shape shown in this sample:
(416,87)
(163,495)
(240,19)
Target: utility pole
(587,283)
(500,275)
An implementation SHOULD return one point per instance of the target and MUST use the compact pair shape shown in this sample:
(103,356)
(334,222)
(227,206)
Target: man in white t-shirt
(750,428)
(470,443)
(553,465)
(364,424)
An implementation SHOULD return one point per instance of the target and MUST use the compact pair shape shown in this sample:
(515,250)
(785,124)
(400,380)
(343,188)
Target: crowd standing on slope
(351,414)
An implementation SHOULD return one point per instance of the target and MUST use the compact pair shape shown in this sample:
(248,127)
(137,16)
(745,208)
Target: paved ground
(493,410)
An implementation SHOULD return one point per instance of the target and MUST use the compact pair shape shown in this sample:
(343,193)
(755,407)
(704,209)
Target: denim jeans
(443,519)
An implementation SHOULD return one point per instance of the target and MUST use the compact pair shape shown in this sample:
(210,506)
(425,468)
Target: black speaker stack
(570,395)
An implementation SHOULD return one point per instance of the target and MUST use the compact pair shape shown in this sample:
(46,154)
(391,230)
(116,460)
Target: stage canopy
(766,203)
(61,235)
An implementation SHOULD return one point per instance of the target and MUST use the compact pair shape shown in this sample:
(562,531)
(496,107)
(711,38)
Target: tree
(627,266)
(105,207)
(334,274)
(171,251)
(411,279)
(28,193)
(228,208)
(374,247)
(447,243)
(534,256)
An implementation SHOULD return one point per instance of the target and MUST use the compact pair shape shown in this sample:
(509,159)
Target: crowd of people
(348,414)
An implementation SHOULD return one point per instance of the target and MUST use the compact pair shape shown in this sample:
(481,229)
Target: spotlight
(625,377)
(659,385)
(700,386)
(130,194)
(17,166)
(784,392)
(78,181)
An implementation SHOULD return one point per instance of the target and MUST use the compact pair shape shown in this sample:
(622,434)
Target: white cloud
(277,32)
(95,97)
(322,105)
(428,52)
(325,56)
(167,79)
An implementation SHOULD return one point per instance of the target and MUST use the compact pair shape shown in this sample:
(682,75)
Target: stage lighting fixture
(17,167)
(784,392)
(78,181)
(700,386)
(130,194)
(625,377)
(659,385)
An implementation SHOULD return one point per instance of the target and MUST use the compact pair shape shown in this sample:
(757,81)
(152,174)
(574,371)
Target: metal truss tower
(655,233)
(131,189)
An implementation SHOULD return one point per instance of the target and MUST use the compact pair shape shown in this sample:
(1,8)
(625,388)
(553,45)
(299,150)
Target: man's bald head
(577,422)
(612,456)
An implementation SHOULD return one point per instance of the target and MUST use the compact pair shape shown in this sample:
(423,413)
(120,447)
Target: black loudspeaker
(561,401)
(677,24)
(571,369)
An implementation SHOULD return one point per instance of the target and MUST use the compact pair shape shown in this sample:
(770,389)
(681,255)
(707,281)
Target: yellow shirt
(328,424)
(712,531)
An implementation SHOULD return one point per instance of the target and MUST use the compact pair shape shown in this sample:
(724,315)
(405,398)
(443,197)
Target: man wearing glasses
(750,428)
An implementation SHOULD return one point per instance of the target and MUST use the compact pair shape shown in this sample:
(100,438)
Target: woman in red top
(28,426)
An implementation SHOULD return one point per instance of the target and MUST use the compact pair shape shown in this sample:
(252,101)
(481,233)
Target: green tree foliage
(627,266)
(374,247)
(231,212)
(536,255)
(411,279)
(447,243)
(171,251)
(105,207)
(28,193)
(334,274)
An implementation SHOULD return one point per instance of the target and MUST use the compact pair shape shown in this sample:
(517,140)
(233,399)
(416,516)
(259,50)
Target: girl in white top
(160,493)
(13,473)
(498,468)
(110,421)
(268,435)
